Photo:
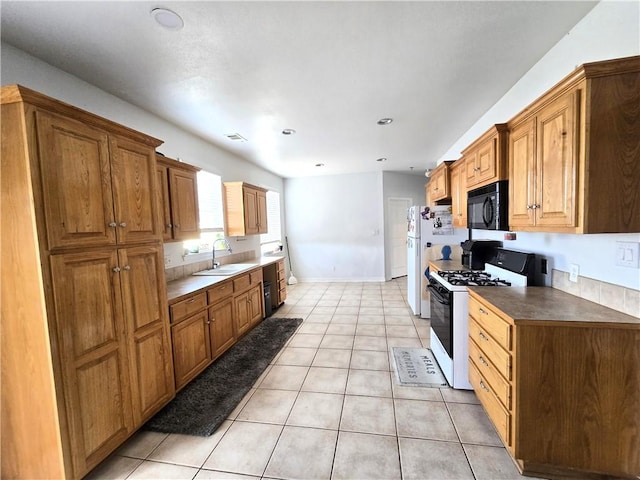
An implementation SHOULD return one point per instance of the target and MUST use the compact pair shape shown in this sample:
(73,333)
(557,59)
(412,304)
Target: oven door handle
(438,296)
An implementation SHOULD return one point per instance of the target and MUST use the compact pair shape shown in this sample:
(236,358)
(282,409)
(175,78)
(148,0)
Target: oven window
(441,316)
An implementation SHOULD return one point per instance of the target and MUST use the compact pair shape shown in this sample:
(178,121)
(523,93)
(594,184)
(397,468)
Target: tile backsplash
(175,273)
(616,297)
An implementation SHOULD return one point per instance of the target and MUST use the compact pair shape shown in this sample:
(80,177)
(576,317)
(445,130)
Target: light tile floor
(329,406)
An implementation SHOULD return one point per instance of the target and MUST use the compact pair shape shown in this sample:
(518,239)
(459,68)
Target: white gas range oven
(450,307)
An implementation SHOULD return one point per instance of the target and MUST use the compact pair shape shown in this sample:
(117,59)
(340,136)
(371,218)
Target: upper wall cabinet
(98,187)
(574,154)
(439,186)
(486,158)
(245,209)
(177,199)
(459,193)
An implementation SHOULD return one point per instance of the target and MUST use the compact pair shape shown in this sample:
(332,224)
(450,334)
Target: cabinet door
(250,201)
(133,171)
(242,313)
(191,348)
(522,175)
(184,204)
(256,304)
(486,161)
(221,327)
(147,324)
(459,196)
(76,182)
(93,354)
(556,163)
(162,200)
(471,167)
(261,199)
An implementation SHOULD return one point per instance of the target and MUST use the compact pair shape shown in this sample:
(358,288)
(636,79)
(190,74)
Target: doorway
(397,208)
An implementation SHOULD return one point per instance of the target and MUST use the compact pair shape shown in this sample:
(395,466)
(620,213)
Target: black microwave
(487,207)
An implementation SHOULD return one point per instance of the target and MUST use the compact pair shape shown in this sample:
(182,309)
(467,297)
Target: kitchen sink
(226,270)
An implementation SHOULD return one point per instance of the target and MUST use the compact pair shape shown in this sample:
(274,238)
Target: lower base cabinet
(191,347)
(205,324)
(564,395)
(222,330)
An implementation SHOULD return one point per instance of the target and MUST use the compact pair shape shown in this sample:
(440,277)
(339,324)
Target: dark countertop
(182,287)
(539,305)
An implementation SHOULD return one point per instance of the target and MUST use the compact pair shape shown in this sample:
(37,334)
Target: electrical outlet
(574,270)
(627,254)
(167,260)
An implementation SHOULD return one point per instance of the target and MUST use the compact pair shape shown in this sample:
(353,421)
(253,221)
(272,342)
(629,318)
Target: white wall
(610,30)
(335,225)
(21,68)
(399,185)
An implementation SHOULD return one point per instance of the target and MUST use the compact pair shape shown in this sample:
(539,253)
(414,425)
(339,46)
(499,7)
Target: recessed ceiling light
(385,121)
(288,131)
(167,18)
(382,159)
(319,164)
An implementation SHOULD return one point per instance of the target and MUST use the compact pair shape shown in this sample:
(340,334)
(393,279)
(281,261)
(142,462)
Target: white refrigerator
(430,236)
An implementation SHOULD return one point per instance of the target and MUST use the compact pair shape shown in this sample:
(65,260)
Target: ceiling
(329,70)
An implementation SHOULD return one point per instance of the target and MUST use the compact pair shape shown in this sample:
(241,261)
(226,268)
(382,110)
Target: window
(211,213)
(272,240)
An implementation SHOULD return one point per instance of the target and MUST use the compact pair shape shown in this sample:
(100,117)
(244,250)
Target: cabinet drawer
(282,285)
(500,386)
(499,416)
(492,323)
(493,352)
(282,295)
(184,308)
(241,283)
(218,292)
(255,276)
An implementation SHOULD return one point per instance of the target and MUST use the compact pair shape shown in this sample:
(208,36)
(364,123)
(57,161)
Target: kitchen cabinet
(459,193)
(98,187)
(532,352)
(190,338)
(177,199)
(248,300)
(275,275)
(486,158)
(221,327)
(572,154)
(439,186)
(245,209)
(91,259)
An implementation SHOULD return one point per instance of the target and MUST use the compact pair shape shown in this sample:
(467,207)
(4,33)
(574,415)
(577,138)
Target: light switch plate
(627,254)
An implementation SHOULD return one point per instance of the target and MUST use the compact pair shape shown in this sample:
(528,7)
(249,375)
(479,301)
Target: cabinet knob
(529,207)
(116,269)
(113,224)
(482,311)
(482,336)
(123,224)
(169,225)
(191,300)
(484,387)
(126,267)
(483,361)
(535,206)
(176,225)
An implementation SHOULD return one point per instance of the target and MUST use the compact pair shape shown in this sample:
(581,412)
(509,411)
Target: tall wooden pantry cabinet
(86,356)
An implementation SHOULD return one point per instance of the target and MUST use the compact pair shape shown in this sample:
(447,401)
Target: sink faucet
(226,243)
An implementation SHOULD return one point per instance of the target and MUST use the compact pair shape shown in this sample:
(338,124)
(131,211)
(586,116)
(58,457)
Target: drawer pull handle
(484,312)
(482,336)
(484,387)
(191,300)
(483,361)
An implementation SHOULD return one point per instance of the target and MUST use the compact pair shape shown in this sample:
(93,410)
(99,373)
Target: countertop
(439,265)
(177,289)
(539,305)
